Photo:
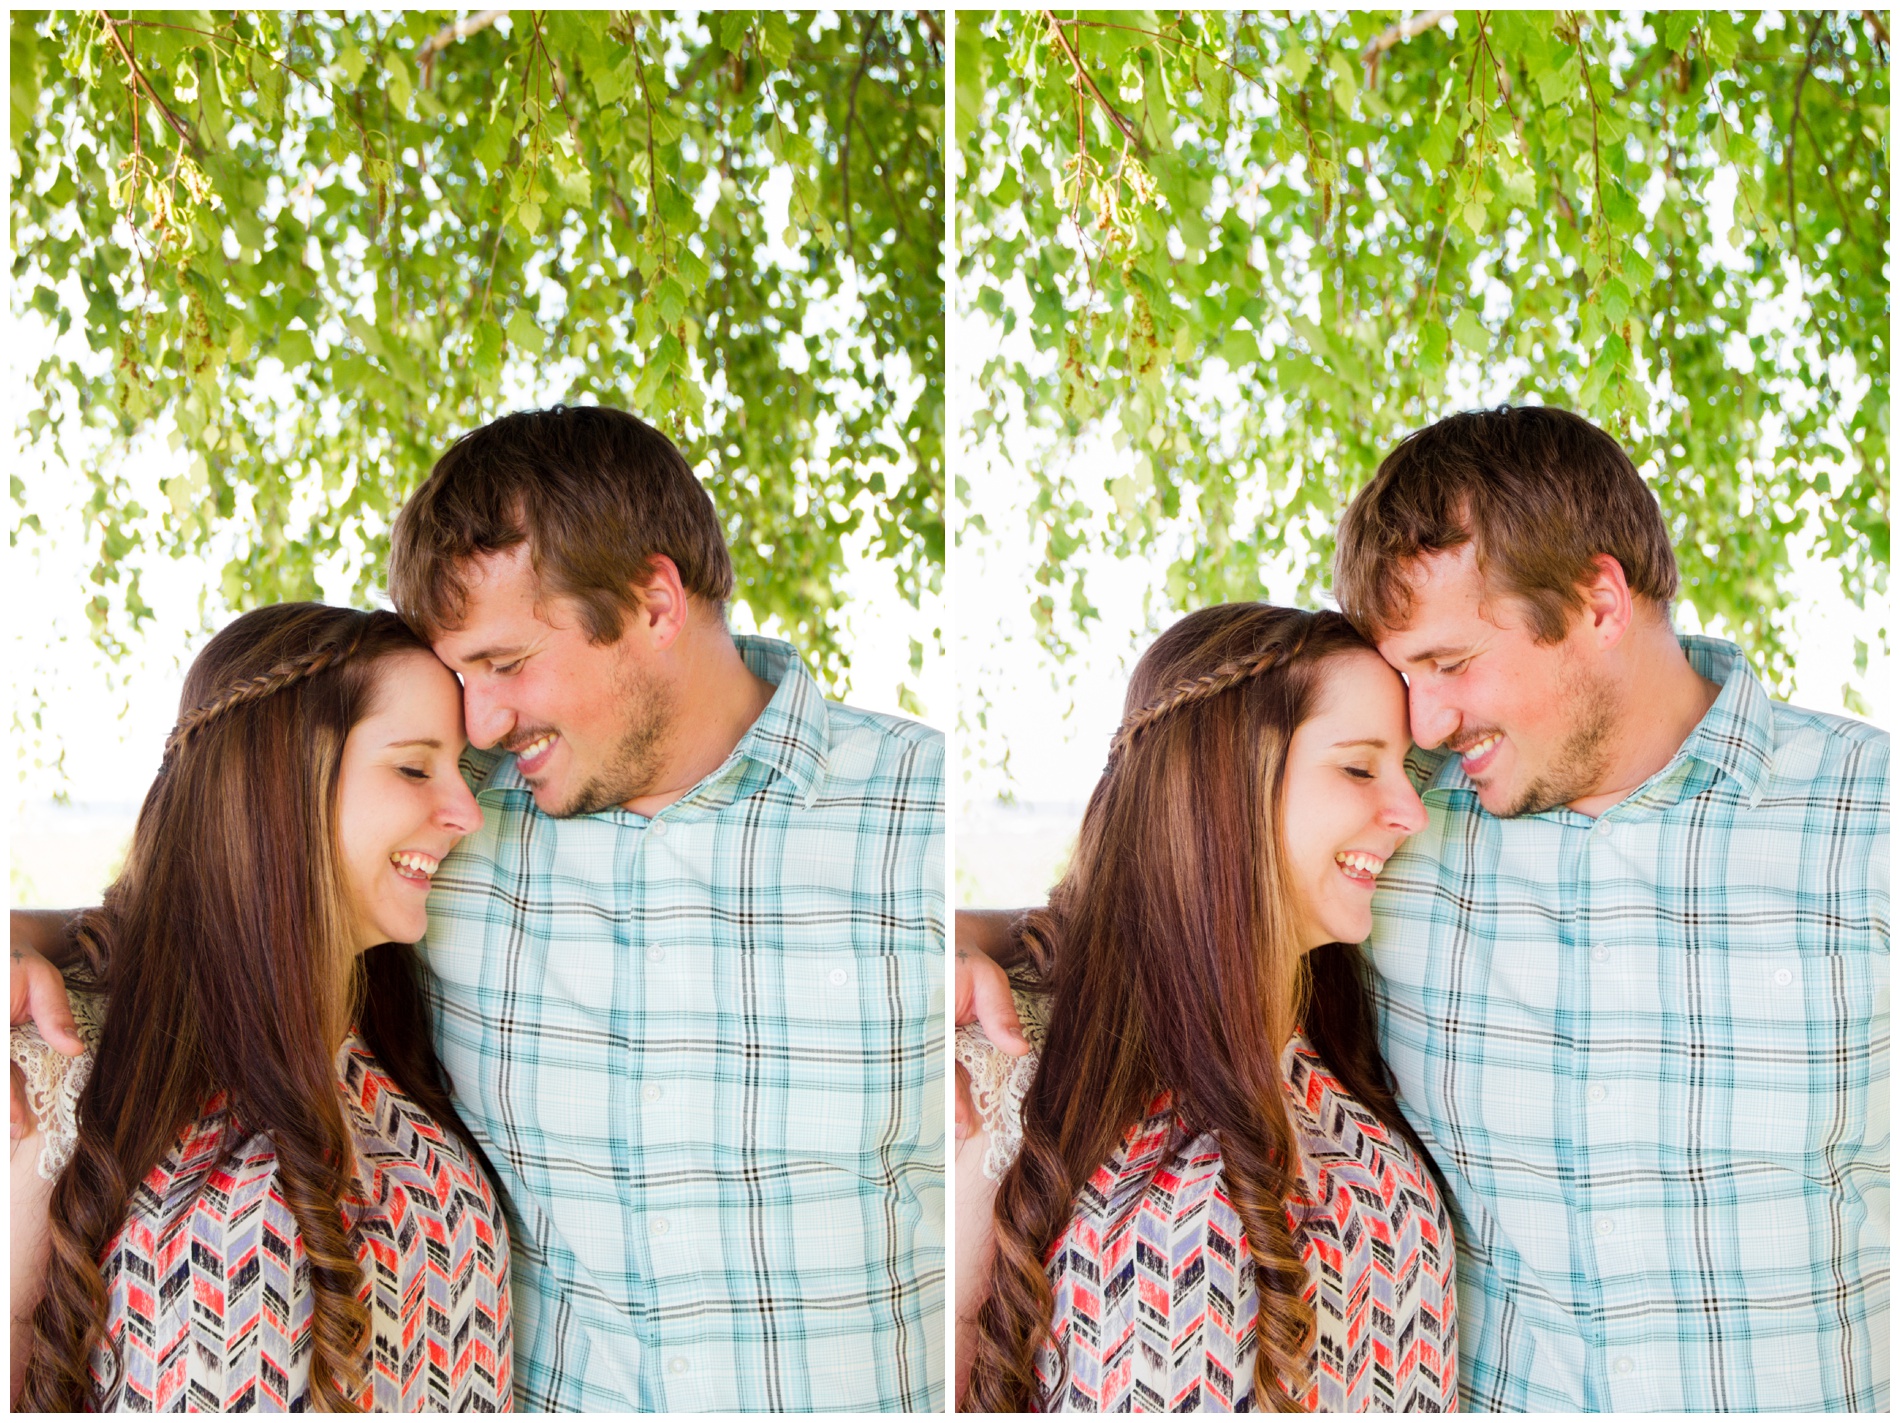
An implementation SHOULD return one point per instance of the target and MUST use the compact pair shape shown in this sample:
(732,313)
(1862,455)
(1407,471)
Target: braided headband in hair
(256,689)
(1223,678)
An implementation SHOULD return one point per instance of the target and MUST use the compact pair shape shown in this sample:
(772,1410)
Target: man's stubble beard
(1578,767)
(633,765)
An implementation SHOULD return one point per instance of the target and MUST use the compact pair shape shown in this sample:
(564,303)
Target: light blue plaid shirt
(1650,1053)
(704,1053)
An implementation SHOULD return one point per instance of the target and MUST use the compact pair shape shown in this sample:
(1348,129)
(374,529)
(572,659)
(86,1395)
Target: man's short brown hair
(1539,492)
(595,493)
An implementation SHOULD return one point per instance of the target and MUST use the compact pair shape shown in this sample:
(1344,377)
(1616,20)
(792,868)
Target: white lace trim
(54,1081)
(999,1082)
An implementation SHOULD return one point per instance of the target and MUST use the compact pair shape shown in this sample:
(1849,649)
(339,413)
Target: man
(687,974)
(1634,971)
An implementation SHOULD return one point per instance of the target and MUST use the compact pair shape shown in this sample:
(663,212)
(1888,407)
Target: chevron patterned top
(208,1304)
(1154,1284)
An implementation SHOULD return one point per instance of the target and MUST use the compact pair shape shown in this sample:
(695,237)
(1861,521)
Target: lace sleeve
(54,1081)
(998,1082)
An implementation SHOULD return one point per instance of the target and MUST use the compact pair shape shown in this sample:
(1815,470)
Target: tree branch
(1794,230)
(1128,130)
(850,118)
(448,35)
(178,125)
(1397,34)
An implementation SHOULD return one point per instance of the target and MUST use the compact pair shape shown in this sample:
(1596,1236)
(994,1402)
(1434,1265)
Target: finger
(51,1009)
(995,1007)
(966,1108)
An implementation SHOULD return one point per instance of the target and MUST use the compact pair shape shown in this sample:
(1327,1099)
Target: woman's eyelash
(414,773)
(1359,773)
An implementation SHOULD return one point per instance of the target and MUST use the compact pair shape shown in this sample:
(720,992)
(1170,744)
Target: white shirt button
(1625,1365)
(1605,1225)
(1600,954)
(1783,977)
(1602,827)
(838,977)
(658,828)
(652,1092)
(660,1225)
(677,1364)
(655,953)
(1599,1092)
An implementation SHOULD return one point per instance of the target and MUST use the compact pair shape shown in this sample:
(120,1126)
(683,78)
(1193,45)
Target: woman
(1208,1197)
(270,1202)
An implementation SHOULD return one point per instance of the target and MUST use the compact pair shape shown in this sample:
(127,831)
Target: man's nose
(1432,720)
(486,719)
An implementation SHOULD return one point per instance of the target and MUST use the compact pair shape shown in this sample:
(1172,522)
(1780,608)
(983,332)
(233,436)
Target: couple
(648,1119)
(1617,1028)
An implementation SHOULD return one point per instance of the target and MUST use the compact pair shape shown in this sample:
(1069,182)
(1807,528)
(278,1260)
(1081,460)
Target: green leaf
(610,84)
(488,346)
(1469,332)
(776,37)
(525,333)
(294,349)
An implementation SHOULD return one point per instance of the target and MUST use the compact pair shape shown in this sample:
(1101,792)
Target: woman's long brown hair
(1168,955)
(224,957)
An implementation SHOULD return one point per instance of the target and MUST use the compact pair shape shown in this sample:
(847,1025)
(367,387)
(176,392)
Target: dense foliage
(310,248)
(1257,248)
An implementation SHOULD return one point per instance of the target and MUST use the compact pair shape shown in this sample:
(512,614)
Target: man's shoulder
(868,744)
(1827,747)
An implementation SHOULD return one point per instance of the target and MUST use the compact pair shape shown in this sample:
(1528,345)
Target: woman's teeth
(1479,750)
(535,748)
(1359,865)
(413,864)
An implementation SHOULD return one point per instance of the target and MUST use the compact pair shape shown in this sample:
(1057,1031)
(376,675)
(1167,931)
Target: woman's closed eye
(414,773)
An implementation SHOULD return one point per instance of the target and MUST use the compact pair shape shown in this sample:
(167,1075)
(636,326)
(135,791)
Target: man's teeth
(535,748)
(1360,861)
(1478,749)
(415,862)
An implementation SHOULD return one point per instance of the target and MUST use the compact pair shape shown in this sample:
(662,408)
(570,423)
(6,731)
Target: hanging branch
(1394,35)
(851,118)
(448,35)
(1116,117)
(139,81)
(1794,123)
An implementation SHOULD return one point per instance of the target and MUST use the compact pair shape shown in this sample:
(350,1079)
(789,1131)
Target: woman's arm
(976,1196)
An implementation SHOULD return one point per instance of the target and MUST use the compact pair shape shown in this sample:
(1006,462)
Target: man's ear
(661,602)
(1607,603)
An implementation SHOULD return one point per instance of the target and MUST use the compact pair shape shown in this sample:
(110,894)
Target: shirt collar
(792,735)
(1736,736)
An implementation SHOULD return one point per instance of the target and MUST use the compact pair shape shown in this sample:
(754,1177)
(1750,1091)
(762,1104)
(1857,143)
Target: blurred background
(1212,266)
(269,264)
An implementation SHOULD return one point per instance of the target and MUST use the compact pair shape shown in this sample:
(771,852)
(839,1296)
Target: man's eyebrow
(1440,654)
(1374,742)
(428,741)
(493,654)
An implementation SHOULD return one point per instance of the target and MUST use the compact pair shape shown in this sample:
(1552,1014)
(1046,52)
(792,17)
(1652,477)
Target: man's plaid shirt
(1650,1053)
(704,1054)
